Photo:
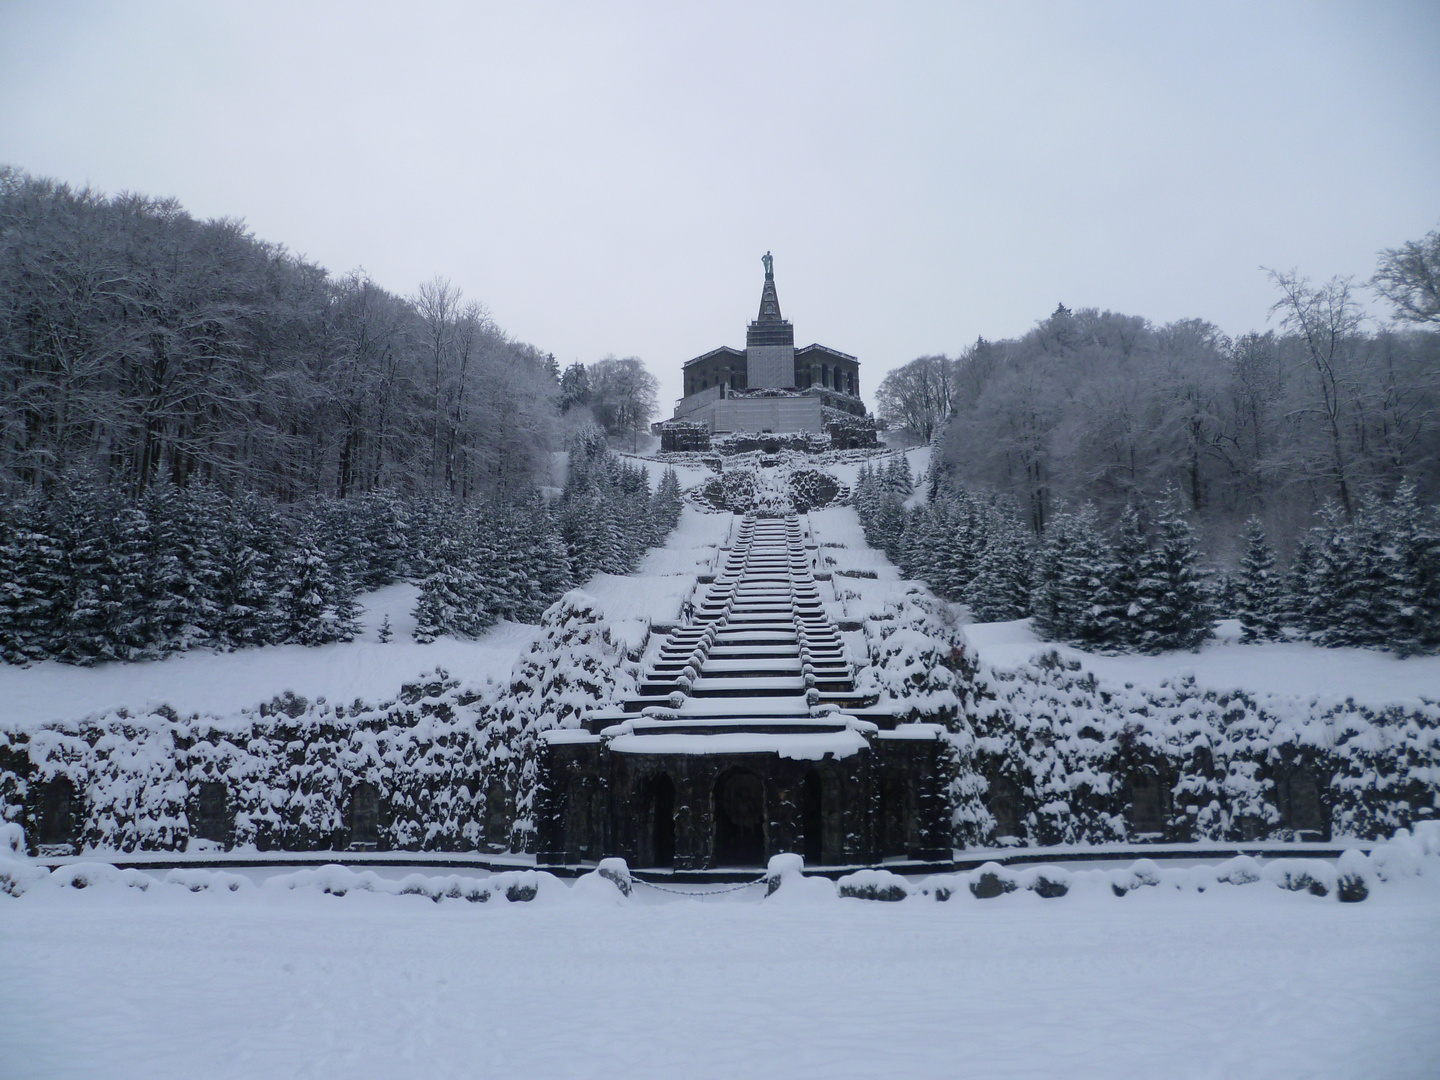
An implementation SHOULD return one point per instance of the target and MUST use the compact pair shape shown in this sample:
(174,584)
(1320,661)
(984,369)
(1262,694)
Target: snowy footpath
(1237,981)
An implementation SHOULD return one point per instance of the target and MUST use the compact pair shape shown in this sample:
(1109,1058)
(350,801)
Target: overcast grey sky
(605,177)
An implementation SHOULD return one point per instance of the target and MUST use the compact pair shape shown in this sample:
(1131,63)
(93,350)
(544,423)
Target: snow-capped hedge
(440,769)
(1068,759)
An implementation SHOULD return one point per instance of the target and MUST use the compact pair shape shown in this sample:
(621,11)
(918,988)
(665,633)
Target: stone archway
(1301,808)
(812,818)
(210,816)
(1004,806)
(57,812)
(896,818)
(1145,814)
(364,816)
(662,820)
(739,819)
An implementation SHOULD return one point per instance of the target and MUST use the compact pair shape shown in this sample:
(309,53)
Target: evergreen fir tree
(126,588)
(917,549)
(1175,603)
(550,573)
(1329,586)
(863,494)
(1000,589)
(667,506)
(245,587)
(313,609)
(1071,583)
(957,544)
(386,633)
(1049,615)
(86,520)
(339,528)
(24,606)
(382,520)
(169,602)
(890,526)
(897,477)
(1126,593)
(499,557)
(1413,588)
(1259,598)
(1297,584)
(1089,564)
(1368,614)
(455,599)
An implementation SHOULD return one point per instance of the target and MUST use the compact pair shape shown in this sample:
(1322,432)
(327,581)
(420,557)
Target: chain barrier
(709,892)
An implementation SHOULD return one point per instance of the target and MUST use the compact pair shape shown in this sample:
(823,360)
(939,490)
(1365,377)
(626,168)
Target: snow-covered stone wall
(1048,753)
(445,767)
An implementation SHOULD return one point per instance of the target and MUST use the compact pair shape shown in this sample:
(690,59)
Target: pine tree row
(514,562)
(88,574)
(1372,581)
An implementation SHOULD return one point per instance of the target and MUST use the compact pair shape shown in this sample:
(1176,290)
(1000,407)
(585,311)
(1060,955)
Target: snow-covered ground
(1236,982)
(1281,669)
(223,683)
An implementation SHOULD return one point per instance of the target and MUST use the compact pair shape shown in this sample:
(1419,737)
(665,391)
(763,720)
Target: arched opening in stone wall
(210,815)
(497,816)
(897,815)
(739,819)
(363,820)
(1300,806)
(662,820)
(576,813)
(58,806)
(1003,802)
(1146,812)
(812,818)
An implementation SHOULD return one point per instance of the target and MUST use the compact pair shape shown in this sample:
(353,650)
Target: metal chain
(709,892)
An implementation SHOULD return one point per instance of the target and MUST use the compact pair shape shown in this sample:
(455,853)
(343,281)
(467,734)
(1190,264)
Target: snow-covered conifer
(1329,585)
(1175,603)
(918,548)
(1000,589)
(1413,586)
(313,610)
(1259,598)
(246,586)
(1126,592)
(667,505)
(897,476)
(1071,571)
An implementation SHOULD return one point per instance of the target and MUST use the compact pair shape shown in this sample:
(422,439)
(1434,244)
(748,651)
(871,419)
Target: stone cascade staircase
(758,653)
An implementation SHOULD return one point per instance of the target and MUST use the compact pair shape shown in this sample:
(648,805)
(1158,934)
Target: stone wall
(693,811)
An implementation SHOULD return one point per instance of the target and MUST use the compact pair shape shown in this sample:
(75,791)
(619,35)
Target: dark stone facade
(688,811)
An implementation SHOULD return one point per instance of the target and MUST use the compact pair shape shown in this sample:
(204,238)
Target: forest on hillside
(1104,408)
(138,344)
(206,440)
